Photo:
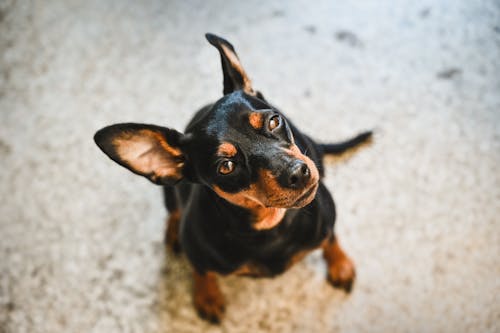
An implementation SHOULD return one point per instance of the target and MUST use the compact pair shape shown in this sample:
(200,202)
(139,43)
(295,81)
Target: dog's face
(241,147)
(244,149)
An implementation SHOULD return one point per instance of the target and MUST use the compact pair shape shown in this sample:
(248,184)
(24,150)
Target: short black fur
(218,222)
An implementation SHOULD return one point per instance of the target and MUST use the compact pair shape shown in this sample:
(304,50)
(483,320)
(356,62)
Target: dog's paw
(208,299)
(210,305)
(341,274)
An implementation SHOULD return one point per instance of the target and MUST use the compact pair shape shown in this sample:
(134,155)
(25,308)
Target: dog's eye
(274,122)
(226,167)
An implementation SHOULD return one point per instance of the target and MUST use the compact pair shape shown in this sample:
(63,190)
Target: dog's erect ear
(147,150)
(235,77)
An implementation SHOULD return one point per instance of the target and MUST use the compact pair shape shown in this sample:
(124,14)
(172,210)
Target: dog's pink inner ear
(147,152)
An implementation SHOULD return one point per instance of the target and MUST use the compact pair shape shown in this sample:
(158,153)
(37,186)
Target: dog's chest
(273,256)
(211,245)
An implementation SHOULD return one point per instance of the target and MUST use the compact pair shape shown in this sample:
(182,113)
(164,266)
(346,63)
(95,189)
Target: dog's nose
(299,175)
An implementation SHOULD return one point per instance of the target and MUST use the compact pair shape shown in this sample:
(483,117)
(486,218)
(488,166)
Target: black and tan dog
(242,185)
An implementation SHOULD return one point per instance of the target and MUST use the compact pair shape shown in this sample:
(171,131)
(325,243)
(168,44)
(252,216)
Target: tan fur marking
(256,120)
(243,198)
(267,200)
(149,153)
(295,152)
(264,217)
(341,272)
(251,269)
(227,149)
(207,296)
(161,140)
(269,218)
(277,196)
(172,235)
(235,63)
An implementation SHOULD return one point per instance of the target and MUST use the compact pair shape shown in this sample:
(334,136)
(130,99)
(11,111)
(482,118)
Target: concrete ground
(81,238)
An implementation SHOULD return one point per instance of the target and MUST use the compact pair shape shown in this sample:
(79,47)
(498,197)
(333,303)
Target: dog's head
(241,147)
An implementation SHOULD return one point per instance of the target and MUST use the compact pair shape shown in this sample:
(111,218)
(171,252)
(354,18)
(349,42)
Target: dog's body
(242,186)
(229,241)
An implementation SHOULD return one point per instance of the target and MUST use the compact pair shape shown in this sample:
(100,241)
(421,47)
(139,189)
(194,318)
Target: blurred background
(81,238)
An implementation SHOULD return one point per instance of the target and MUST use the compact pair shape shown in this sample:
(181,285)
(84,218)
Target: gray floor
(81,238)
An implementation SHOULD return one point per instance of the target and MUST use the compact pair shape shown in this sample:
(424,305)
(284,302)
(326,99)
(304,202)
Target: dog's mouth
(268,193)
(281,197)
(306,198)
(288,200)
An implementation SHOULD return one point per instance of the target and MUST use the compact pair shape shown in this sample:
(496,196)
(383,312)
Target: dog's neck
(267,217)
(261,216)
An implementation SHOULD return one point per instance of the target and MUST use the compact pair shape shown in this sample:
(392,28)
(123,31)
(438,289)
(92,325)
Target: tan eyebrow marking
(227,149)
(256,120)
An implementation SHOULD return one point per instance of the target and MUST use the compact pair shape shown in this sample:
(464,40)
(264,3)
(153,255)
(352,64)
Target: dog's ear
(147,150)
(235,77)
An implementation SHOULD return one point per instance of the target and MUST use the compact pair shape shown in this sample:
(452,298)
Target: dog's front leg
(341,272)
(172,233)
(207,297)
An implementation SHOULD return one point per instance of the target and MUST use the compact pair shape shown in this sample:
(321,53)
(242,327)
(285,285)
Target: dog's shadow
(299,300)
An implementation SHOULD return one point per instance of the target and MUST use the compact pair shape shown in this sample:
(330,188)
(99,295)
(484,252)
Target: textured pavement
(81,238)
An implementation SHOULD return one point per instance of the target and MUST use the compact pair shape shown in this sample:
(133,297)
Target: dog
(242,186)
